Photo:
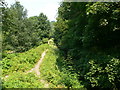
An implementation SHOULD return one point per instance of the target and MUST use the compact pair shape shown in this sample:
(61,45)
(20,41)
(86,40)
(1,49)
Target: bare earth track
(37,67)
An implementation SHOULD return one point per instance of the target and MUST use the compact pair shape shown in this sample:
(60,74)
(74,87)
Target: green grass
(54,71)
(49,69)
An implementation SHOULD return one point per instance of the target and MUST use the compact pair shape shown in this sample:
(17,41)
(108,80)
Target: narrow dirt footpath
(36,69)
(37,66)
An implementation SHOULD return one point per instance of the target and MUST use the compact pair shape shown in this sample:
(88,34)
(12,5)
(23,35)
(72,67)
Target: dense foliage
(21,33)
(15,68)
(89,36)
(21,80)
(22,61)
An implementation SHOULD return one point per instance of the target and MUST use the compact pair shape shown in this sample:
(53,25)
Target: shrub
(108,76)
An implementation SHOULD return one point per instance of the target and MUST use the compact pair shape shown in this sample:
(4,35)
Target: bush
(45,40)
(108,76)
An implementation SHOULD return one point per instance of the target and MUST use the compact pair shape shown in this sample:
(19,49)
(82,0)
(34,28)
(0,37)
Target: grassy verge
(54,70)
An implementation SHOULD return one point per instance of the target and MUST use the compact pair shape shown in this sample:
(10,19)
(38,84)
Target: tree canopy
(89,35)
(21,33)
